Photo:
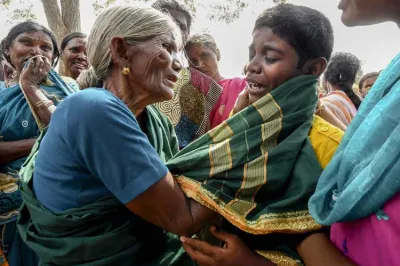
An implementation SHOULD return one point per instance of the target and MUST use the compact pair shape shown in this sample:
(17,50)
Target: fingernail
(182,239)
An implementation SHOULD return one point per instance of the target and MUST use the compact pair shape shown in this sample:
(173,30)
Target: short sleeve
(325,139)
(105,137)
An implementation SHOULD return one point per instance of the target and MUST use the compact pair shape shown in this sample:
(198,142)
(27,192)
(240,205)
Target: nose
(35,50)
(176,65)
(82,56)
(254,67)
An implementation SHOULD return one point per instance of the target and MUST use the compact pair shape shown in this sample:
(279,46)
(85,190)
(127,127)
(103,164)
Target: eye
(270,60)
(167,47)
(204,56)
(74,50)
(26,42)
(47,48)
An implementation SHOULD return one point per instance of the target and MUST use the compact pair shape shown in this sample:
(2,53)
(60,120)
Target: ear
(315,67)
(119,49)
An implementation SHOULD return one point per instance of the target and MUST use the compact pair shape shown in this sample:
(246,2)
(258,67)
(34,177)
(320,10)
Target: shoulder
(71,82)
(93,104)
(325,139)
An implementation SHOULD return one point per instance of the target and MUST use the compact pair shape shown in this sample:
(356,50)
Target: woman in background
(203,55)
(73,54)
(340,77)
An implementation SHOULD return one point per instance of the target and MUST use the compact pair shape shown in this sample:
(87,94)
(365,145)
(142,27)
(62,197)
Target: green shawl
(102,233)
(258,169)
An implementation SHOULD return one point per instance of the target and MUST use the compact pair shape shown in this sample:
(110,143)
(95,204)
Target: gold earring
(125,71)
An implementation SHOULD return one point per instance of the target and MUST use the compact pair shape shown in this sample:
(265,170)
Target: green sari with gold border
(258,169)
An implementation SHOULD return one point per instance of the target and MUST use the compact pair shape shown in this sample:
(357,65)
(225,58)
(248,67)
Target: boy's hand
(241,102)
(234,253)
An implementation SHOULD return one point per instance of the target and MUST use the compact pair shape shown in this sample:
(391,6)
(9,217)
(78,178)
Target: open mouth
(80,66)
(171,80)
(255,87)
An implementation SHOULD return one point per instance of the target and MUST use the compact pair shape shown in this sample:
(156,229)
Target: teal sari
(17,123)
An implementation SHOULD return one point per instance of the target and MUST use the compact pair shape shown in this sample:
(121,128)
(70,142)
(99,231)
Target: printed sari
(195,97)
(258,170)
(18,123)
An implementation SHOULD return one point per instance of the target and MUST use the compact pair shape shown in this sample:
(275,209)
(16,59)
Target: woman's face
(367,85)
(74,57)
(367,12)
(29,44)
(203,59)
(154,68)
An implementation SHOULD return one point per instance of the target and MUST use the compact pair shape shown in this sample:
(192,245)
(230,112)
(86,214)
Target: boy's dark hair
(161,5)
(69,37)
(342,71)
(307,30)
(365,77)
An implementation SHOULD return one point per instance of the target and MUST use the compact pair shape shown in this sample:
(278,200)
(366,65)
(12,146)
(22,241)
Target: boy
(290,49)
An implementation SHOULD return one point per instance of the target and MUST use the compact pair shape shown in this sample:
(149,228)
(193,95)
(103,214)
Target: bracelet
(45,103)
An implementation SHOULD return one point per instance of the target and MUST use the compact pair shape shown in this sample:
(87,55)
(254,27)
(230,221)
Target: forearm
(258,260)
(317,250)
(36,97)
(165,205)
(12,150)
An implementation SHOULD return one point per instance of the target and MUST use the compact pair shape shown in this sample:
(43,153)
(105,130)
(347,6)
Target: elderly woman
(73,54)
(32,51)
(97,192)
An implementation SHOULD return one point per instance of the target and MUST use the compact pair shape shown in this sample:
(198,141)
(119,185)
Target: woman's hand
(35,72)
(241,102)
(234,253)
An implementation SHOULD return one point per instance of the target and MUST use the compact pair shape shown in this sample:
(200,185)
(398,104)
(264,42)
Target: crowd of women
(126,156)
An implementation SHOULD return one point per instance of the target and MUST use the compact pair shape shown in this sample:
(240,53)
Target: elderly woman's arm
(165,205)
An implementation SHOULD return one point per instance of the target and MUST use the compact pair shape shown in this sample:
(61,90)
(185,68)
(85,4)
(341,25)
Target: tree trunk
(71,14)
(62,22)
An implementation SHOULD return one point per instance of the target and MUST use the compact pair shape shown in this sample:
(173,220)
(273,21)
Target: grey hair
(135,24)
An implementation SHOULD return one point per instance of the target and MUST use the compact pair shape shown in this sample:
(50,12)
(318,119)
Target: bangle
(45,103)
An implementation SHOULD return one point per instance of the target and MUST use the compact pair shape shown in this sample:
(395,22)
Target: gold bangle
(41,103)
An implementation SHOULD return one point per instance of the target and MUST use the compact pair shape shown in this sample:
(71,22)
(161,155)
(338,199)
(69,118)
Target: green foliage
(22,14)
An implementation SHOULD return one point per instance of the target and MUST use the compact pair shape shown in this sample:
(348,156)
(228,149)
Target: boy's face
(272,62)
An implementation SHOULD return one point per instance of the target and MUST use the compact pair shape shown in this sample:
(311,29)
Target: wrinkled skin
(153,66)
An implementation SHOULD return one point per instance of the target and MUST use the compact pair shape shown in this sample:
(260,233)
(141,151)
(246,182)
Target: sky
(374,45)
